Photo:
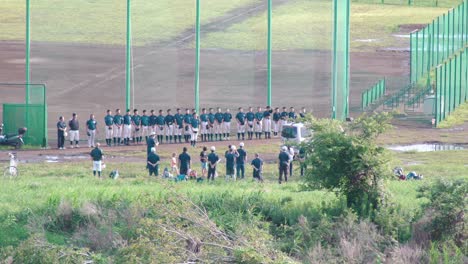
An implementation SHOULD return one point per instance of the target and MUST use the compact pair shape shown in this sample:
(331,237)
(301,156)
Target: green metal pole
(347,32)
(334,73)
(128,58)
(269,51)
(197,59)
(28,49)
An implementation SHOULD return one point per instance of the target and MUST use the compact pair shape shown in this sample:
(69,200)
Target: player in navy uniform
(211,123)
(276,121)
(204,125)
(240,117)
(227,117)
(109,121)
(292,113)
(179,118)
(303,112)
(194,128)
(258,123)
(267,122)
(250,117)
(219,117)
(284,118)
(169,120)
(152,122)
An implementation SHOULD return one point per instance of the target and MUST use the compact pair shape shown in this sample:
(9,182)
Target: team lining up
(169,128)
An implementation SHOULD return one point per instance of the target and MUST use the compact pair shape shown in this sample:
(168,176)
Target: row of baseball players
(170,128)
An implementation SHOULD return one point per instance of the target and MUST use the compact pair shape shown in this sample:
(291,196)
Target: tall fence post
(197,57)
(128,57)
(269,51)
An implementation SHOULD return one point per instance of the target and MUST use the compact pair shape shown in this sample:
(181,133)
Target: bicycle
(11,171)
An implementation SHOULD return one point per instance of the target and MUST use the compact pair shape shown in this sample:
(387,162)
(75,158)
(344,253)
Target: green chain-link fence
(451,85)
(374,94)
(439,40)
(32,115)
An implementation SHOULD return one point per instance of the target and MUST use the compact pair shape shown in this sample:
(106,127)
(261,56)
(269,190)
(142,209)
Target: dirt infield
(90,79)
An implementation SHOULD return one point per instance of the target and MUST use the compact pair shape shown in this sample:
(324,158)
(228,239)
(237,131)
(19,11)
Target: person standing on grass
(151,143)
(61,129)
(257,165)
(118,121)
(291,160)
(91,125)
(96,155)
(109,121)
(144,125)
(283,164)
(241,159)
(153,163)
(302,159)
(213,160)
(127,128)
(204,161)
(184,162)
(230,156)
(74,126)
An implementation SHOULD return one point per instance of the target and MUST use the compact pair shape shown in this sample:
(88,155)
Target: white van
(295,133)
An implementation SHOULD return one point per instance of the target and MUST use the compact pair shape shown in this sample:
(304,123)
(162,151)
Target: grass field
(308,25)
(42,186)
(104,21)
(297,24)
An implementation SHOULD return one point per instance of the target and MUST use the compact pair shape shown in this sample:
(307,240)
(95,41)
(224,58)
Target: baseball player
(204,125)
(303,112)
(145,125)
(227,117)
(91,126)
(240,118)
(284,118)
(127,128)
(152,122)
(187,124)
(118,122)
(74,132)
(276,121)
(136,125)
(267,122)
(194,128)
(179,118)
(292,113)
(250,117)
(218,126)
(109,121)
(160,124)
(211,123)
(169,120)
(258,123)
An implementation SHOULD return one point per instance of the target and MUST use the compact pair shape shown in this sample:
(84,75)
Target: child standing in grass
(174,169)
(257,165)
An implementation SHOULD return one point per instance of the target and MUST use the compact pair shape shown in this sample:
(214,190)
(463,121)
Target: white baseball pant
(91,138)
(127,131)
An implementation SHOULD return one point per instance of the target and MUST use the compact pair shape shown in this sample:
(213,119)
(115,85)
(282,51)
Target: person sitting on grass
(153,163)
(257,165)
(96,155)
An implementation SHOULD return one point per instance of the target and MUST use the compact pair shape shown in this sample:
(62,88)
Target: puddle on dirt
(425,147)
(366,40)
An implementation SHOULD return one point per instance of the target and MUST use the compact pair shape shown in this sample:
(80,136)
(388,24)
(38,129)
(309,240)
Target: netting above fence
(451,85)
(443,37)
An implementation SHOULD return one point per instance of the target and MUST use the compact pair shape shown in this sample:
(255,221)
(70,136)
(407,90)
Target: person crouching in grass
(153,163)
(96,156)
